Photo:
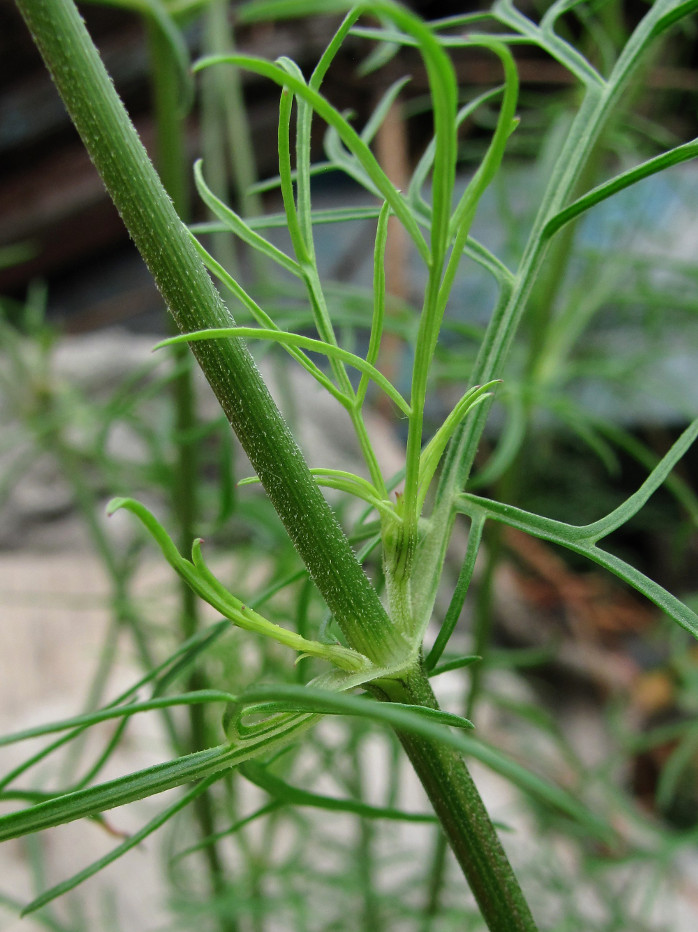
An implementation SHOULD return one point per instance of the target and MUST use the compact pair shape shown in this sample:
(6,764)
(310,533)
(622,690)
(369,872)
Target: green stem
(484,617)
(86,502)
(599,101)
(435,881)
(370,917)
(226,137)
(167,249)
(164,243)
(170,130)
(172,163)
(463,816)
(231,102)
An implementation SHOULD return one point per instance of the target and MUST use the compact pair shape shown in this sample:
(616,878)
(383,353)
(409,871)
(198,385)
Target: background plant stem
(172,164)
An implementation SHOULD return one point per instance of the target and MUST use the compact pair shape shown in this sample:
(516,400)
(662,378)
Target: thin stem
(301,232)
(371,918)
(436,877)
(172,164)
(121,602)
(596,107)
(484,616)
(460,593)
(213,96)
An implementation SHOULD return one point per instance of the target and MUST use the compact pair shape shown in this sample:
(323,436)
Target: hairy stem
(167,249)
(165,245)
(463,816)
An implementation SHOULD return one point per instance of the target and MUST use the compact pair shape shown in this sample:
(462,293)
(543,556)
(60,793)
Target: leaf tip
(196,555)
(115,504)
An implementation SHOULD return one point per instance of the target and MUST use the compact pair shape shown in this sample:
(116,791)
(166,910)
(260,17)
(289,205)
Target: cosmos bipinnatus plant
(382,637)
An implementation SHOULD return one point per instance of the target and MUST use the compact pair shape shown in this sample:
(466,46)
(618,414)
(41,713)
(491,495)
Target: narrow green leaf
(197,575)
(661,162)
(295,339)
(274,181)
(348,482)
(627,441)
(320,217)
(304,141)
(488,261)
(411,719)
(280,221)
(331,116)
(298,206)
(511,437)
(333,47)
(665,601)
(265,10)
(197,697)
(130,842)
(149,782)
(555,11)
(432,453)
(619,516)
(672,12)
(294,796)
(576,538)
(442,273)
(264,320)
(288,697)
(215,837)
(235,224)
(355,485)
(379,57)
(381,109)
(559,49)
(161,675)
(342,160)
(453,663)
(374,342)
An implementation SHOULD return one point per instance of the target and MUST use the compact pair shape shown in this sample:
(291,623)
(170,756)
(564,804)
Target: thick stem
(165,245)
(463,817)
(167,249)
